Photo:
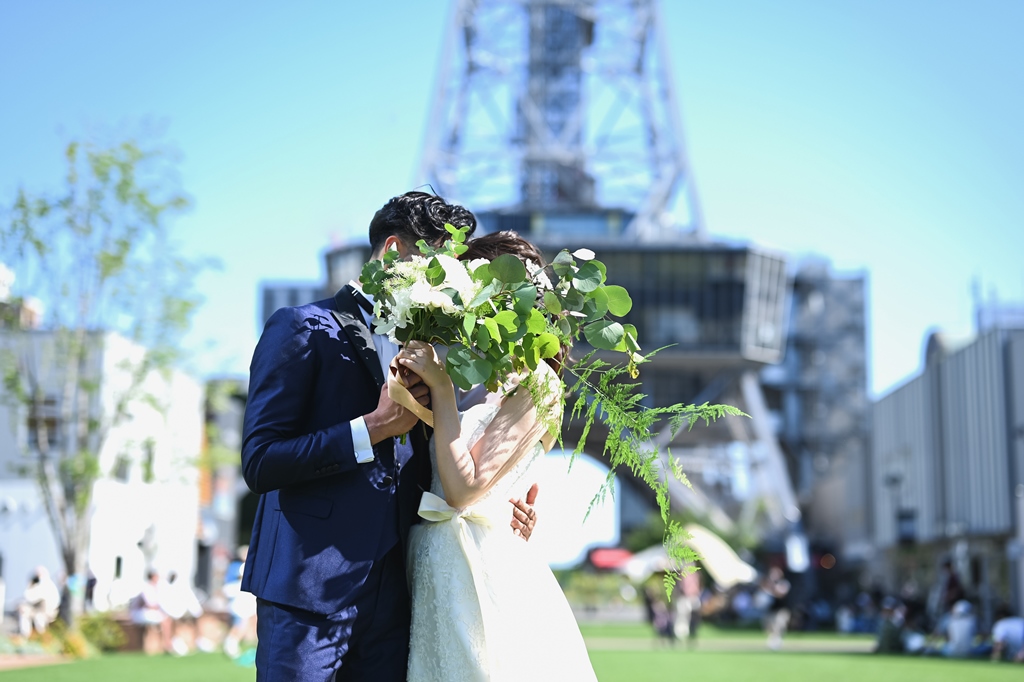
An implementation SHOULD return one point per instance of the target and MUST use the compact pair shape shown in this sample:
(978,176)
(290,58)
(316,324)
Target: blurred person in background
(890,628)
(687,601)
(947,591)
(242,607)
(179,602)
(775,589)
(1007,636)
(40,604)
(145,609)
(659,614)
(961,629)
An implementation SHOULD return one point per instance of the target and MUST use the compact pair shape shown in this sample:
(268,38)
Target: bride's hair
(495,244)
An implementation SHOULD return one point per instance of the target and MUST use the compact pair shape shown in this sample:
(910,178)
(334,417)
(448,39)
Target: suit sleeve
(282,379)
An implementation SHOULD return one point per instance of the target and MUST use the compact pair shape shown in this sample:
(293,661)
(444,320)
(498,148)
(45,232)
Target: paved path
(12,661)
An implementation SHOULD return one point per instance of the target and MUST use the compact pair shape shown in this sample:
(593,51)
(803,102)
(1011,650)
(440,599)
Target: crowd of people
(945,622)
(165,605)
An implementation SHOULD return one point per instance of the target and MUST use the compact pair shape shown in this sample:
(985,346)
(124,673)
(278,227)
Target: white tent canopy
(723,565)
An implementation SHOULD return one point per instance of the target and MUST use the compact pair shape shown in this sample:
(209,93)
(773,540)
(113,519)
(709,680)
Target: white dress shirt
(386,352)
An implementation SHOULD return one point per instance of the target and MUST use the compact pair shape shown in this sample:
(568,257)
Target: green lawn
(620,653)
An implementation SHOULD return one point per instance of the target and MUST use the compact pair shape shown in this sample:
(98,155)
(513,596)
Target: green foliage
(102,631)
(517,317)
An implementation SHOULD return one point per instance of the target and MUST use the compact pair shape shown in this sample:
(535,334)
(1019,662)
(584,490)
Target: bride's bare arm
(467,473)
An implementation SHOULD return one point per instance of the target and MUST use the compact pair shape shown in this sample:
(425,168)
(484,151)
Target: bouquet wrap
(401,395)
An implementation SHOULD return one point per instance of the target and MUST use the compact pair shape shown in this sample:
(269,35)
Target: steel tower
(561,106)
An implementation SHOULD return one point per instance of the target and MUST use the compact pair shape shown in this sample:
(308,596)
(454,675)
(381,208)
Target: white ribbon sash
(436,510)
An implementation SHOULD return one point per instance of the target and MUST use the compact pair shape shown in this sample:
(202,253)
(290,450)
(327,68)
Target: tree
(99,256)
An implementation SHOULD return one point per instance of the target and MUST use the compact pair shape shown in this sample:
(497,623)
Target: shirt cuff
(361,441)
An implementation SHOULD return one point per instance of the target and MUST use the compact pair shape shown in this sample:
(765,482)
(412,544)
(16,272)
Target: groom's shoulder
(315,314)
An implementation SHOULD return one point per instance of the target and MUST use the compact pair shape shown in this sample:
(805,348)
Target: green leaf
(588,278)
(551,302)
(471,367)
(525,297)
(599,304)
(460,249)
(573,300)
(507,319)
(604,334)
(435,272)
(628,344)
(485,293)
(530,353)
(508,269)
(563,264)
(619,301)
(483,337)
(492,327)
(547,345)
(536,323)
(483,273)
(469,323)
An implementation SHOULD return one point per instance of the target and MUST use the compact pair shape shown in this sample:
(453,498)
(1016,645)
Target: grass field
(620,653)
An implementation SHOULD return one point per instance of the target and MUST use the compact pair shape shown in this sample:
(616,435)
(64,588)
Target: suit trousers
(366,640)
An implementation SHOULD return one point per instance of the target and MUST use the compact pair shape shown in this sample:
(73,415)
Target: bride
(484,606)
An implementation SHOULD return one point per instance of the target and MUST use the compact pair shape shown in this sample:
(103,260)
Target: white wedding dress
(484,605)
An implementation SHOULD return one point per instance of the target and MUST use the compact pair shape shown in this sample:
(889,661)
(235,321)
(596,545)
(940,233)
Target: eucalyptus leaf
(491,325)
(551,302)
(525,297)
(547,345)
(508,269)
(483,273)
(507,319)
(483,337)
(604,334)
(484,294)
(619,301)
(588,278)
(469,323)
(536,323)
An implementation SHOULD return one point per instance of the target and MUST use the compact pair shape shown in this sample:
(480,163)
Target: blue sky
(885,136)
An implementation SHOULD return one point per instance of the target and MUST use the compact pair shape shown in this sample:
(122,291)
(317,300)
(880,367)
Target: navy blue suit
(328,531)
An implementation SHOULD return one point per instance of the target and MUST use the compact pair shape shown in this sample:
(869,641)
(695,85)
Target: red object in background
(610,558)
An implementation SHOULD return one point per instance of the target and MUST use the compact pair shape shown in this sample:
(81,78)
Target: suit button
(387,480)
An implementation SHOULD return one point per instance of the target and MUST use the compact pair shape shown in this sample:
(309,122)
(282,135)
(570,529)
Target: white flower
(456,276)
(426,296)
(542,281)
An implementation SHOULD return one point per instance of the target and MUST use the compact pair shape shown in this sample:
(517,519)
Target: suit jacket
(322,518)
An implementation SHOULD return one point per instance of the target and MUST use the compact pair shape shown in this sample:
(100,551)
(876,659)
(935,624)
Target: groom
(338,488)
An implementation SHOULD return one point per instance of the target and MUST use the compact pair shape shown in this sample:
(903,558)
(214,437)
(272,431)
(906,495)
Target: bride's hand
(421,358)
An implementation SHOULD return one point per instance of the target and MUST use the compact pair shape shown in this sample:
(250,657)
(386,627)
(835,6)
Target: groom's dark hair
(417,215)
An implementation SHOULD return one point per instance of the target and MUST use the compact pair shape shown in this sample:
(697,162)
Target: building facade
(144,506)
(948,469)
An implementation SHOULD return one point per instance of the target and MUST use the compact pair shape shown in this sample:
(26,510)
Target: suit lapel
(350,318)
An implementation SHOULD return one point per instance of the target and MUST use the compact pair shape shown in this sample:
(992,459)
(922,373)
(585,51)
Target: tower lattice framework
(561,106)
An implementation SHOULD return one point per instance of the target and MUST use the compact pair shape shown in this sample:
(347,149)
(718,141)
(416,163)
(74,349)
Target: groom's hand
(524,516)
(391,419)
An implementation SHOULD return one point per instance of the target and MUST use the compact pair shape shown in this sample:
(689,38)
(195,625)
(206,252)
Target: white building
(144,509)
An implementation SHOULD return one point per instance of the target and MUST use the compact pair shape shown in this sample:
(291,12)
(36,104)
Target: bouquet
(502,317)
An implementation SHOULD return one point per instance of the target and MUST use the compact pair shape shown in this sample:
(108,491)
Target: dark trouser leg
(368,640)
